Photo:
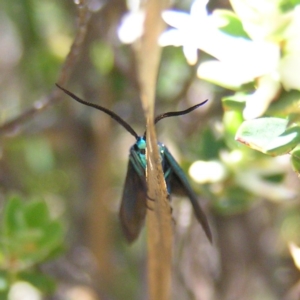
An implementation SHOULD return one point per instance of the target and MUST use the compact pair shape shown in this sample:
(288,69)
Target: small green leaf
(269,135)
(295,159)
(29,235)
(13,219)
(4,295)
(42,282)
(40,248)
(232,120)
(36,214)
(52,238)
(4,285)
(287,5)
(230,23)
(286,104)
(39,155)
(274,178)
(235,102)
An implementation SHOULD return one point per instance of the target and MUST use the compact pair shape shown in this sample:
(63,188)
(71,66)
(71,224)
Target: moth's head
(140,145)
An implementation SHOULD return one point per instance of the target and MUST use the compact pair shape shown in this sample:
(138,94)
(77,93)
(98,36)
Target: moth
(134,200)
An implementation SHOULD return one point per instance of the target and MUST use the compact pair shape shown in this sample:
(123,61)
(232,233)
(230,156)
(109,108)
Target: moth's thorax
(140,145)
(140,149)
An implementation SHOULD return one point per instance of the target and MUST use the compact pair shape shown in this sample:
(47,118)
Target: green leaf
(13,219)
(41,281)
(230,23)
(274,178)
(232,120)
(287,103)
(255,20)
(287,5)
(36,214)
(4,295)
(30,236)
(4,285)
(295,159)
(39,156)
(50,243)
(53,235)
(40,247)
(235,102)
(269,135)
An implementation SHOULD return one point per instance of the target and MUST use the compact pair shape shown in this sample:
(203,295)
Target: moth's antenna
(107,111)
(176,113)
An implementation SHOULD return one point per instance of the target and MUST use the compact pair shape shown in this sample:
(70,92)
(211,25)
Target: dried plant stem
(159,223)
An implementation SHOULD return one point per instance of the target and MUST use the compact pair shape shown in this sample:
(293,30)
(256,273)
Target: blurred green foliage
(29,236)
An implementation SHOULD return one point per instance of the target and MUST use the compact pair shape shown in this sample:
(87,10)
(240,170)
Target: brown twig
(83,15)
(159,224)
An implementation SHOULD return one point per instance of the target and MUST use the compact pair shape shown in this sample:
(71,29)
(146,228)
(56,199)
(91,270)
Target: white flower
(207,171)
(131,27)
(237,61)
(268,87)
(190,29)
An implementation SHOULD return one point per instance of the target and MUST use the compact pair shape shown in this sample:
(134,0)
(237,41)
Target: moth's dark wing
(133,206)
(180,185)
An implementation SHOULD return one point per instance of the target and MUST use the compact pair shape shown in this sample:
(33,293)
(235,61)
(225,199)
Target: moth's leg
(171,212)
(169,197)
(171,209)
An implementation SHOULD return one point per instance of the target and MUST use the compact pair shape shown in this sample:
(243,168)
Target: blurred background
(65,162)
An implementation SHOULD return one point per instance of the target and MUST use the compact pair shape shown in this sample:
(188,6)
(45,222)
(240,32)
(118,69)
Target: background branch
(83,16)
